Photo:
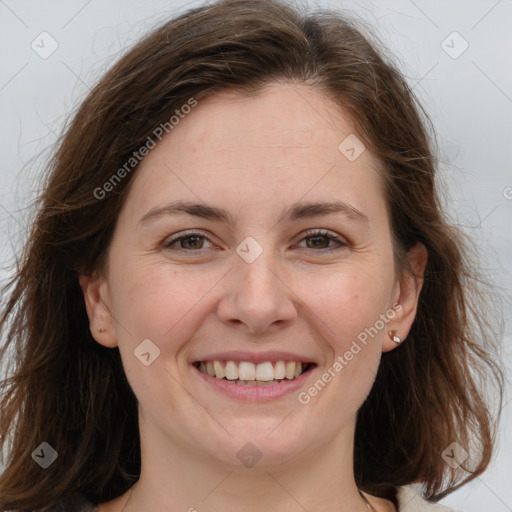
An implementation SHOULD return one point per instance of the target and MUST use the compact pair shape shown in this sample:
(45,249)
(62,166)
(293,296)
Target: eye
(192,241)
(320,239)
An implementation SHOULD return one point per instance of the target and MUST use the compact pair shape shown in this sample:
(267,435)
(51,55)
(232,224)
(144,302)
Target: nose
(257,297)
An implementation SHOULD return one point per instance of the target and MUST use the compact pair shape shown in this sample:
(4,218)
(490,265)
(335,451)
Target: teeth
(290,370)
(219,370)
(257,383)
(231,371)
(265,371)
(245,371)
(280,370)
(210,370)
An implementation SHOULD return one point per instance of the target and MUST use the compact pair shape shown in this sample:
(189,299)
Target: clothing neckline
(405,497)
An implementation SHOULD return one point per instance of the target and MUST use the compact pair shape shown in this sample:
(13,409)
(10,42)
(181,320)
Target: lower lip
(260,393)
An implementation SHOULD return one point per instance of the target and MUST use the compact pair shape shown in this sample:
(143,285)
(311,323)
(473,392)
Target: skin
(255,157)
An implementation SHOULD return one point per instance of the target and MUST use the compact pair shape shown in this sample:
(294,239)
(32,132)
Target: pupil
(317,238)
(195,241)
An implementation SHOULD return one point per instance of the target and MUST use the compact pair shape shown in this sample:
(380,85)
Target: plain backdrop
(456,55)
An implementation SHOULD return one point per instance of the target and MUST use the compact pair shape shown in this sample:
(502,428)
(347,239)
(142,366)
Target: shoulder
(75,503)
(409,501)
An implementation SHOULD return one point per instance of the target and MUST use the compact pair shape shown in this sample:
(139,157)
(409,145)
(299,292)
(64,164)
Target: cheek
(348,301)
(350,307)
(157,302)
(166,307)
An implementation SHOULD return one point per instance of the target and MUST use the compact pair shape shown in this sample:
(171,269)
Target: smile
(254,382)
(248,373)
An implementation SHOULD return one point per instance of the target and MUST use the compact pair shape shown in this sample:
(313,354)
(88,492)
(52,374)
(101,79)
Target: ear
(99,309)
(407,292)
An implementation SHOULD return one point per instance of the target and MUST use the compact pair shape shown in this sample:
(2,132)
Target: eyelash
(167,244)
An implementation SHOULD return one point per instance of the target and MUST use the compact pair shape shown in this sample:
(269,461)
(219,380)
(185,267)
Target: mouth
(247,373)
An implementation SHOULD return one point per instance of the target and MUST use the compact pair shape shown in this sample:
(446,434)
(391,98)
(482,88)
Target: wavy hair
(66,389)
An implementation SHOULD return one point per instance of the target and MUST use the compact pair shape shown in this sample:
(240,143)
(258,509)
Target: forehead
(277,145)
(277,116)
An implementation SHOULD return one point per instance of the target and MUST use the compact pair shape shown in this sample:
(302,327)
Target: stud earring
(394,337)
(100,329)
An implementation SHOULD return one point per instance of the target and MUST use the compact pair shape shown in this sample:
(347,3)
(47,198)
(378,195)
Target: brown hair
(68,390)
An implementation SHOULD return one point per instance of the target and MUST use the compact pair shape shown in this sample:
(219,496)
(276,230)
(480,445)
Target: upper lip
(255,357)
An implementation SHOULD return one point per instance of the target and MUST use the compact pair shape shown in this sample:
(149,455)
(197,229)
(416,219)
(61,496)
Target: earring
(394,337)
(100,329)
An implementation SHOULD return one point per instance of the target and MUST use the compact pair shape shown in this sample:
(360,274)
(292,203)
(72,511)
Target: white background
(469,98)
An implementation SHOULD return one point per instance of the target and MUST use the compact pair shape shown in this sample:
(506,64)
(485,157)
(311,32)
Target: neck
(180,477)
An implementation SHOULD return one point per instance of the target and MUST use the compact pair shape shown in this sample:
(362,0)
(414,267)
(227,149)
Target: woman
(240,291)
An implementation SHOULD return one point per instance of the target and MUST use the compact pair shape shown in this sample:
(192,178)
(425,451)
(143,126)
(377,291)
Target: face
(225,250)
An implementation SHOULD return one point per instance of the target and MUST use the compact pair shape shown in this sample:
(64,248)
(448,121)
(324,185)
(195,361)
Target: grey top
(408,501)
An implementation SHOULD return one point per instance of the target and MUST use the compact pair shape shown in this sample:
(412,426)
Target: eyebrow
(305,210)
(296,212)
(197,209)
